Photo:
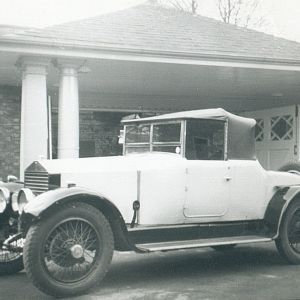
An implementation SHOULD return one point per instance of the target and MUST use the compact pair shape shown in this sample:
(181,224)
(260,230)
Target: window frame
(225,146)
(183,133)
(180,143)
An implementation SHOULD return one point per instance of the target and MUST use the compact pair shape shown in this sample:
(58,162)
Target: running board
(176,245)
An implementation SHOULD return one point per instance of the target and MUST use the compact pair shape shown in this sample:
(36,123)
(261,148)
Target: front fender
(43,201)
(277,207)
(41,205)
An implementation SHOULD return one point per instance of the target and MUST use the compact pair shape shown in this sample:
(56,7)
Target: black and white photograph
(150,149)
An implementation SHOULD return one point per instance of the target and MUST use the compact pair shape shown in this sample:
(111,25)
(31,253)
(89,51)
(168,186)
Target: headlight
(21,198)
(14,201)
(4,198)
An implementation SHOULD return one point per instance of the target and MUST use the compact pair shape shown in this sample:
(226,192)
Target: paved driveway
(247,272)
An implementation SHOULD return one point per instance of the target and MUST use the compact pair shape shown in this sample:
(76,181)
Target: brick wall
(98,132)
(9,131)
(103,128)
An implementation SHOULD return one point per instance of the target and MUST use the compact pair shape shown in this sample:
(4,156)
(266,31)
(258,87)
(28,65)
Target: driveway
(246,272)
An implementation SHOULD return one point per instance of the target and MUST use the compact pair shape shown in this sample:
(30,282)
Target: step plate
(176,245)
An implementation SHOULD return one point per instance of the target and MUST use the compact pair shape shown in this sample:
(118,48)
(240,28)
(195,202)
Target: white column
(34,131)
(68,109)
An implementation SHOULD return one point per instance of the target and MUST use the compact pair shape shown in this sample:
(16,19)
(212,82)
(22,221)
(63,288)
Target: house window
(259,130)
(282,128)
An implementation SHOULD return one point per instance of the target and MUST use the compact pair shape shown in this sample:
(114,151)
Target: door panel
(276,135)
(162,196)
(208,186)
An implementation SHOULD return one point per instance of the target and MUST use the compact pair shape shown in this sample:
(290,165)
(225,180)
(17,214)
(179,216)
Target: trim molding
(153,56)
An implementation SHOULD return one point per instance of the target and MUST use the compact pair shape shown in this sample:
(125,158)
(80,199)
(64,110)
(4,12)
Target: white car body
(186,180)
(188,168)
(171,189)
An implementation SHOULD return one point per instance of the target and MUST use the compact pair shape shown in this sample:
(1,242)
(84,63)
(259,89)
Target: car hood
(111,163)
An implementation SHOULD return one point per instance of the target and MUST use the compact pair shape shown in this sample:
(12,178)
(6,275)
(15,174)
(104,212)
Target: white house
(143,59)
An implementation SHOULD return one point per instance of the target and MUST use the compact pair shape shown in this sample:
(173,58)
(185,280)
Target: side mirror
(11,178)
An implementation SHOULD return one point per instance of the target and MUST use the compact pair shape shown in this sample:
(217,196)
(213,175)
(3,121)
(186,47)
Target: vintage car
(11,260)
(185,180)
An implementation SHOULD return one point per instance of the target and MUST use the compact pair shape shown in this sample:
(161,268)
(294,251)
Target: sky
(282,15)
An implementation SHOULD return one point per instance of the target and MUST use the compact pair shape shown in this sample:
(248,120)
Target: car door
(208,173)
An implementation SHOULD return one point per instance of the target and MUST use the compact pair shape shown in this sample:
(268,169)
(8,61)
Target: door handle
(228,178)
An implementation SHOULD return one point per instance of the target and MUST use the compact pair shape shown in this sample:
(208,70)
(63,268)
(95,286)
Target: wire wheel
(288,242)
(7,256)
(71,249)
(293,231)
(11,261)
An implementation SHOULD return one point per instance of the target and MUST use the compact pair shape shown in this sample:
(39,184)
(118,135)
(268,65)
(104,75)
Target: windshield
(141,138)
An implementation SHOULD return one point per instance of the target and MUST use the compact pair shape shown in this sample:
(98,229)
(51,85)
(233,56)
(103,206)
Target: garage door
(276,135)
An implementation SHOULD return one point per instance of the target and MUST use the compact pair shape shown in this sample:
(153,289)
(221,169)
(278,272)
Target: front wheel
(288,242)
(70,251)
(11,261)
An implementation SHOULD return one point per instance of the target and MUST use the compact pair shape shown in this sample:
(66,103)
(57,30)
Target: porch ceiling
(117,84)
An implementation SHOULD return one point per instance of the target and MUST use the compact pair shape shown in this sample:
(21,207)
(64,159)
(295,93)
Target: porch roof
(152,28)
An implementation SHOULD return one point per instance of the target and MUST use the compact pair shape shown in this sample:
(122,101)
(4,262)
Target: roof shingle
(154,28)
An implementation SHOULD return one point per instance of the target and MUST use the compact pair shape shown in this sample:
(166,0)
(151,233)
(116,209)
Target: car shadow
(131,270)
(189,263)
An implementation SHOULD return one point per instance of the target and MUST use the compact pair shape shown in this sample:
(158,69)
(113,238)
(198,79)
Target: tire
(288,242)
(10,262)
(291,167)
(224,247)
(76,237)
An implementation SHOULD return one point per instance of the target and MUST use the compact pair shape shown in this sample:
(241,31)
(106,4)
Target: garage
(92,73)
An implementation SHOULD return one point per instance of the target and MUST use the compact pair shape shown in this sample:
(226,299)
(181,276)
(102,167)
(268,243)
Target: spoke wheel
(288,243)
(70,251)
(11,262)
(293,231)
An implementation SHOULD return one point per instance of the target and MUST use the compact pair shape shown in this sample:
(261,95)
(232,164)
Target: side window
(205,140)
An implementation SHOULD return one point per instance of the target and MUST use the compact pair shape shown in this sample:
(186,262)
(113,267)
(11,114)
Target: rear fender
(277,207)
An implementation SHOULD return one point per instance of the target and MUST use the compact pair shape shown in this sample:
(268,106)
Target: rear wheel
(70,251)
(291,167)
(288,243)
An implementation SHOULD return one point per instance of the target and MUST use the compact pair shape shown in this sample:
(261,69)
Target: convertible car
(185,180)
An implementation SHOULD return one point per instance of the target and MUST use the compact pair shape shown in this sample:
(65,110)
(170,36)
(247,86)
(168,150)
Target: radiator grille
(38,182)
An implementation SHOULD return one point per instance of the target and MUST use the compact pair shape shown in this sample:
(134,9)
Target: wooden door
(276,136)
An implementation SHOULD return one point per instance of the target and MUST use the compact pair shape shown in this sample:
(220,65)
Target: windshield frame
(180,143)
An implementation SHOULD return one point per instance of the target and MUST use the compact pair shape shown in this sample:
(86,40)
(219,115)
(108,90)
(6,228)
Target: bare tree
(190,6)
(244,13)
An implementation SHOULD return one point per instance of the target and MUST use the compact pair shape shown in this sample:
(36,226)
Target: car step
(176,245)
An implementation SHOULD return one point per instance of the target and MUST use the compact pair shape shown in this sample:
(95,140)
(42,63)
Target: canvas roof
(213,113)
(154,28)
(240,136)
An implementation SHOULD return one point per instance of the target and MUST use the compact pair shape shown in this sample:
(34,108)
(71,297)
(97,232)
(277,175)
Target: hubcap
(77,251)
